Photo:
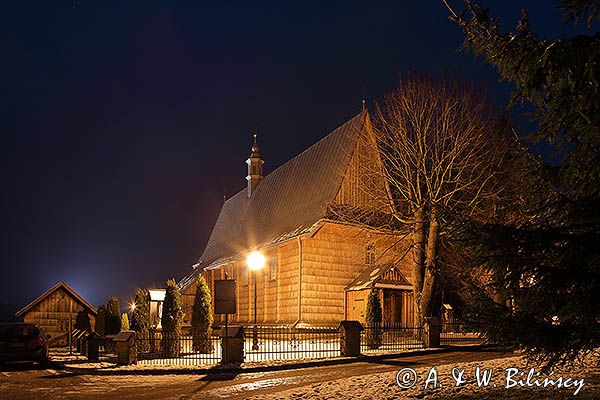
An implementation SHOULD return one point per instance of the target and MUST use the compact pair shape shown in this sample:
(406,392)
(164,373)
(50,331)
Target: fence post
(432,332)
(350,338)
(232,345)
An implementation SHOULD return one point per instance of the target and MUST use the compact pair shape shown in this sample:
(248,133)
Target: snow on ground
(384,386)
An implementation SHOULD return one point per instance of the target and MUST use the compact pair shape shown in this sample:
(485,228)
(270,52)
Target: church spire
(255,164)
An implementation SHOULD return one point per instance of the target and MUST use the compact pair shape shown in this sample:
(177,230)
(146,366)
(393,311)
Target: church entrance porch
(394,291)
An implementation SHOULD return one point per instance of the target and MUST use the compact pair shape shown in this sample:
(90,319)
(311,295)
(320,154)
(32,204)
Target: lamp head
(255,261)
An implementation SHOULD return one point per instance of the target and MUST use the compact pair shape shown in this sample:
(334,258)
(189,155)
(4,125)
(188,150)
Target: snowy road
(30,383)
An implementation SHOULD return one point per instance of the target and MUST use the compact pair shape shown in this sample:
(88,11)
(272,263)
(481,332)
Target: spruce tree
(124,322)
(373,320)
(202,317)
(172,319)
(113,316)
(544,263)
(100,325)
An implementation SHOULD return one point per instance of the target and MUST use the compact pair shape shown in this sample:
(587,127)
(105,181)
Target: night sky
(123,124)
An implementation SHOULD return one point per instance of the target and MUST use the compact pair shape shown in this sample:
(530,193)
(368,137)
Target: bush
(171,320)
(373,319)
(202,318)
(113,316)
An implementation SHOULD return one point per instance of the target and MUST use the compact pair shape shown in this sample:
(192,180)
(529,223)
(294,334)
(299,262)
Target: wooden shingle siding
(332,259)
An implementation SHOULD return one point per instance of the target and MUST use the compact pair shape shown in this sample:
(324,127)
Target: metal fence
(456,334)
(390,338)
(159,348)
(285,343)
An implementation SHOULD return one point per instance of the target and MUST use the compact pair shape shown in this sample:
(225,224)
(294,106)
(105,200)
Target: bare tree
(441,150)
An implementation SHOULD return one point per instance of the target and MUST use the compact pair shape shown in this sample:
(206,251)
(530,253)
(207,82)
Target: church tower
(255,165)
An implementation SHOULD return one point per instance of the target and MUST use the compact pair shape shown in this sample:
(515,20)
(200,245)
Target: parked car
(23,342)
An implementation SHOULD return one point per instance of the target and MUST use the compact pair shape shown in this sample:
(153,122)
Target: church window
(273,268)
(370,254)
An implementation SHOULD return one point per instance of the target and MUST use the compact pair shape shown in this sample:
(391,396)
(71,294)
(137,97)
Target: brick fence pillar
(126,348)
(350,338)
(433,328)
(232,345)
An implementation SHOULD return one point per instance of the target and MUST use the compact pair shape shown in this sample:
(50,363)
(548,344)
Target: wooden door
(396,308)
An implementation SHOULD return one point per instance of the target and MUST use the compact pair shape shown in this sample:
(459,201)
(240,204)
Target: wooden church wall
(332,259)
(277,301)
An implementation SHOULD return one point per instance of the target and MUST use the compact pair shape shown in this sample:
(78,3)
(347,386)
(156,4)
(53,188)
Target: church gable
(363,184)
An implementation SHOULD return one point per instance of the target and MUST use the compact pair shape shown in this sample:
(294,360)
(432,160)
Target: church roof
(289,201)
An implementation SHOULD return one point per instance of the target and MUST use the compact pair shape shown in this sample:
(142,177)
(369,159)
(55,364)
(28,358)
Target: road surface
(30,382)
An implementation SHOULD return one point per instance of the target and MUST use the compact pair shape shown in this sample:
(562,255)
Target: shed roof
(67,289)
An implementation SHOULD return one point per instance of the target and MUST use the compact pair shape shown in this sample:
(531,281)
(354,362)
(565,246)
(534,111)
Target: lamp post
(255,261)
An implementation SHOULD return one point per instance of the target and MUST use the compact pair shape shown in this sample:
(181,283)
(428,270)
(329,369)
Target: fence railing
(159,348)
(285,343)
(390,337)
(456,334)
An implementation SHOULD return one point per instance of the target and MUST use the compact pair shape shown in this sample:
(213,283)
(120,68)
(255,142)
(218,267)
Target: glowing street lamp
(255,262)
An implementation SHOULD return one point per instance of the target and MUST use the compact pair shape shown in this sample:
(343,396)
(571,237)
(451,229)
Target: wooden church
(319,268)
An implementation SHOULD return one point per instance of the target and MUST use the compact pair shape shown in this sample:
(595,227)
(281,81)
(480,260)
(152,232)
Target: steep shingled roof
(288,201)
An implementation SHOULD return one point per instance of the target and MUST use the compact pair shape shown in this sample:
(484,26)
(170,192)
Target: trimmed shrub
(172,319)
(124,322)
(373,319)
(140,319)
(82,321)
(202,318)
(113,316)
(100,326)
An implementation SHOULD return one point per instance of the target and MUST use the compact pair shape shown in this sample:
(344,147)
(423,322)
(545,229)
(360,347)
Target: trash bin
(93,346)
(232,345)
(82,342)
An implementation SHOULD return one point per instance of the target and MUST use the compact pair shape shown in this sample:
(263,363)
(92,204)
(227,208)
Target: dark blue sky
(124,123)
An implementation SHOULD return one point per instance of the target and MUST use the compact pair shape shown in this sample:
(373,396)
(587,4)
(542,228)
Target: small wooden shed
(59,309)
